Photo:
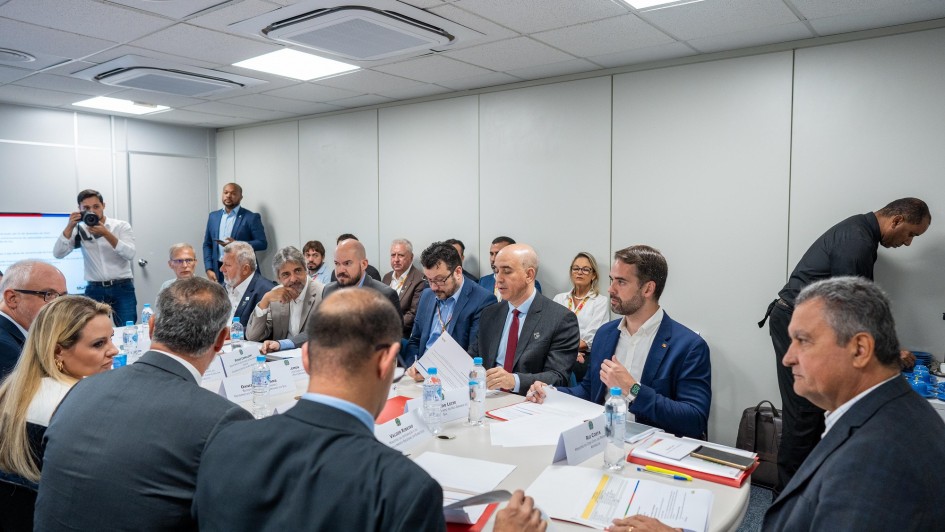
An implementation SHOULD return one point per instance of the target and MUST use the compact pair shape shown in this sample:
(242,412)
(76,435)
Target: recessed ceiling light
(658,4)
(296,65)
(121,106)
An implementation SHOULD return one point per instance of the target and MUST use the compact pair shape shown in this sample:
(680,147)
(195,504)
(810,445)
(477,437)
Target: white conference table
(728,505)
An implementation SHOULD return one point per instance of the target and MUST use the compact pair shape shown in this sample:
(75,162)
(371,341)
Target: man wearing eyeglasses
(452,304)
(108,246)
(26,287)
(183,261)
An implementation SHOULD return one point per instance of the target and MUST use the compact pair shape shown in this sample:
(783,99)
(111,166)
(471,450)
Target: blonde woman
(586,302)
(70,339)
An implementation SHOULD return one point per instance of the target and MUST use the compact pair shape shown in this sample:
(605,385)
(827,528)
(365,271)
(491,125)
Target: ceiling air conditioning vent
(368,31)
(166,80)
(359,33)
(135,72)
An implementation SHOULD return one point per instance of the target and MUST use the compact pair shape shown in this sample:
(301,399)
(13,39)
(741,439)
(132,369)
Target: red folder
(475,527)
(734,482)
(394,407)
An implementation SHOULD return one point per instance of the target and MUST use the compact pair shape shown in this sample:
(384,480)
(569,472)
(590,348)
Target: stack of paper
(540,424)
(711,471)
(461,477)
(451,361)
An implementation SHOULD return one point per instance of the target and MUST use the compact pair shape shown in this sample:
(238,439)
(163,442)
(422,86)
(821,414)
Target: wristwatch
(634,390)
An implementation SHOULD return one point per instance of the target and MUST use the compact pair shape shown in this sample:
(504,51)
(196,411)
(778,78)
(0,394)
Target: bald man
(27,286)
(527,337)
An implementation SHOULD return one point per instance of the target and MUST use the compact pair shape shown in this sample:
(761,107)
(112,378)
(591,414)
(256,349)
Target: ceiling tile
(310,92)
(220,19)
(754,37)
(812,9)
(476,82)
(414,92)
(123,50)
(30,38)
(203,44)
(880,18)
(703,19)
(606,36)
(528,16)
(555,69)
(70,67)
(432,69)
(8,74)
(264,101)
(157,98)
(490,30)
(34,96)
(67,84)
(660,52)
(177,116)
(360,101)
(509,55)
(85,17)
(365,81)
(227,109)
(170,8)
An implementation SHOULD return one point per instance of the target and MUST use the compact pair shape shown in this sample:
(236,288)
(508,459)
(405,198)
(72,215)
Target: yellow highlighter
(667,472)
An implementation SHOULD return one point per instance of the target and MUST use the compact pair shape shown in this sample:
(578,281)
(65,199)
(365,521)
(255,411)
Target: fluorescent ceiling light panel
(121,106)
(296,65)
(658,4)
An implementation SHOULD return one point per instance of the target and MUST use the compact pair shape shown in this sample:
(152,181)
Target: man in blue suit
(661,365)
(245,286)
(231,223)
(451,303)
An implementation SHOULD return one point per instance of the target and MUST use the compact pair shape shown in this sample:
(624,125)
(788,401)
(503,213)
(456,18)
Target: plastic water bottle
(143,329)
(119,360)
(615,419)
(261,377)
(477,392)
(236,333)
(129,340)
(432,401)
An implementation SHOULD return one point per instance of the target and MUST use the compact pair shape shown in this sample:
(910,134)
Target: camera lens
(90,218)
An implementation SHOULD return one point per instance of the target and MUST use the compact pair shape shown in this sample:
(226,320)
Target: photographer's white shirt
(102,261)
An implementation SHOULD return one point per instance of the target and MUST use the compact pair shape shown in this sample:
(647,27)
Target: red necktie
(512,343)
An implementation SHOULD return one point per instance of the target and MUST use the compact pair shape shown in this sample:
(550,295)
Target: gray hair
(243,252)
(190,314)
(17,275)
(284,255)
(178,247)
(403,242)
(853,305)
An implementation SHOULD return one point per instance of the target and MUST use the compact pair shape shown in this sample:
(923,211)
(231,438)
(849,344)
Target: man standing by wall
(231,223)
(848,248)
(108,245)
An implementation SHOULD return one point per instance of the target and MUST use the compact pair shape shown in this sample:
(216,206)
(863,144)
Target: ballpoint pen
(676,475)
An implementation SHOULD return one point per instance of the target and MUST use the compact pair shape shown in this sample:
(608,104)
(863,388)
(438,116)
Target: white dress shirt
(102,261)
(47,398)
(592,314)
(235,294)
(633,349)
(397,283)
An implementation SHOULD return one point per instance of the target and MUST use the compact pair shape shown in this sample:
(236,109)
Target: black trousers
(802,423)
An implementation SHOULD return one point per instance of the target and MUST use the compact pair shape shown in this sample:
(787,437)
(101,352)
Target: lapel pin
(537,335)
(664,346)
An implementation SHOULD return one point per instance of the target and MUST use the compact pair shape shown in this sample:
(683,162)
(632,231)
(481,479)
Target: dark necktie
(512,342)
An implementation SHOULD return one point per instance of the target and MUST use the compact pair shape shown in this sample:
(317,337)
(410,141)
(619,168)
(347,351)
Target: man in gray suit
(526,337)
(283,312)
(123,448)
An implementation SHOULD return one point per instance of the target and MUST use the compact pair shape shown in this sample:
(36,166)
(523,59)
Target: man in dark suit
(452,303)
(283,312)
(877,465)
(527,337)
(132,438)
(461,249)
(245,286)
(370,270)
(488,281)
(662,366)
(27,286)
(406,280)
(229,224)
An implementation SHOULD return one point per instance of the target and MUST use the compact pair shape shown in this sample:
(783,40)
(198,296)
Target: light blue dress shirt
(361,414)
(227,221)
(504,341)
(446,307)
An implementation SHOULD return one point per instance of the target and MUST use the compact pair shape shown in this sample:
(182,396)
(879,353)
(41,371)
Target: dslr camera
(90,218)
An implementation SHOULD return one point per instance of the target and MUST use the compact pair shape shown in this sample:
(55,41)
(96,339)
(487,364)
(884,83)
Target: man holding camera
(108,245)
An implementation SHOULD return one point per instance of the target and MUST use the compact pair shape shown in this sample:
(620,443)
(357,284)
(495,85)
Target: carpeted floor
(758,502)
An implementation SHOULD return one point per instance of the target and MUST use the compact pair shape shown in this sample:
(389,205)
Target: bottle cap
(260,358)
(477,361)
(236,319)
(127,323)
(147,305)
(431,371)
(473,383)
(616,391)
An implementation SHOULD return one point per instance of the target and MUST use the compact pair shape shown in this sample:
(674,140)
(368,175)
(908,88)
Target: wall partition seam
(787,254)
(610,217)
(75,150)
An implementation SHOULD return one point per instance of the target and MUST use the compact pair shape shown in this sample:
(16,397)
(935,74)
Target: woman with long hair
(586,302)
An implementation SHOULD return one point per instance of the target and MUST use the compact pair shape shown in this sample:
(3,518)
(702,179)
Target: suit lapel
(498,323)
(164,362)
(461,302)
(237,223)
(309,302)
(527,329)
(661,343)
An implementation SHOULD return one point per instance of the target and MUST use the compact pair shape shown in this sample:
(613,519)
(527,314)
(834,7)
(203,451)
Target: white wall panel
(226,164)
(869,124)
(545,173)
(429,175)
(35,125)
(93,131)
(701,172)
(338,187)
(267,167)
(37,178)
(152,137)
